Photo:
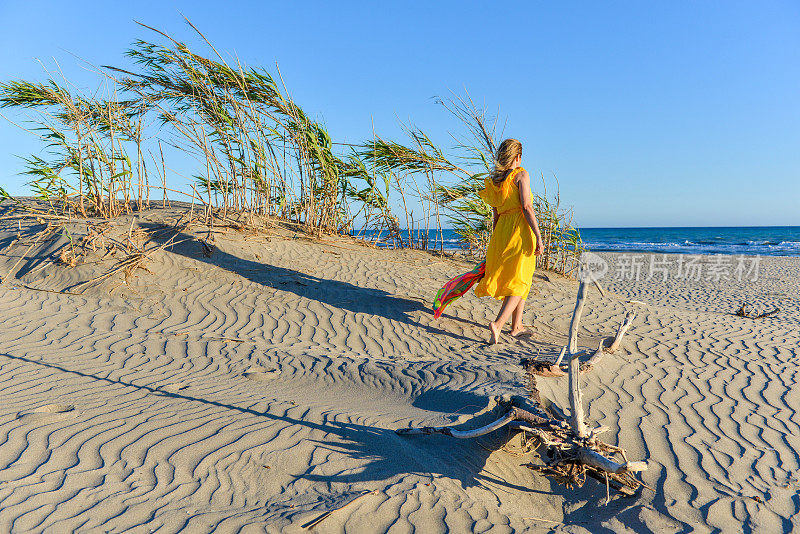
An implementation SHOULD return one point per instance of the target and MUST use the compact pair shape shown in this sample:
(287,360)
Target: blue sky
(649,113)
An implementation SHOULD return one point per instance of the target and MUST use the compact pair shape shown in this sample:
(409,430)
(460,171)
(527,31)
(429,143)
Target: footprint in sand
(48,412)
(260,374)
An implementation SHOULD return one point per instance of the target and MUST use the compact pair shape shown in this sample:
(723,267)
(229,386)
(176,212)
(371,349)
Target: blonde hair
(507,152)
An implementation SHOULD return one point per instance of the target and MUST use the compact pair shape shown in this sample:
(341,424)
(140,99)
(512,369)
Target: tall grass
(415,170)
(87,168)
(257,152)
(451,181)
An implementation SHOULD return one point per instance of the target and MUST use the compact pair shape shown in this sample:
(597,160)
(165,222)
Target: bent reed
(258,154)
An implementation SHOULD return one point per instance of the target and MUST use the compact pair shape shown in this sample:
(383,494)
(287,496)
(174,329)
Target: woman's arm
(526,199)
(495,216)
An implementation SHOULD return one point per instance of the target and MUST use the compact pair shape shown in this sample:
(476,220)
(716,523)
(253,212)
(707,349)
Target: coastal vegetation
(256,154)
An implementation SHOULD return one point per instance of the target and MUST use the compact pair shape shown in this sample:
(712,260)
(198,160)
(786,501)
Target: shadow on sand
(343,295)
(387,455)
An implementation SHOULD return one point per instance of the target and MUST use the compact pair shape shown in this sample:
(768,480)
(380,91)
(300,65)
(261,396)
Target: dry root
(535,367)
(67,257)
(569,451)
(132,249)
(746,310)
(565,456)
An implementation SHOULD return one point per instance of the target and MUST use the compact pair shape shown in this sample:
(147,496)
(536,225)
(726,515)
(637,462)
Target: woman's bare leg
(508,307)
(517,328)
(516,317)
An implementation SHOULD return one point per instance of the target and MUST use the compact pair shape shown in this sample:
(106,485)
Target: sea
(748,240)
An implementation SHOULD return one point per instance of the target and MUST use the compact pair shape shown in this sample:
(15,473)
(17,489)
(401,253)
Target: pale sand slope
(259,387)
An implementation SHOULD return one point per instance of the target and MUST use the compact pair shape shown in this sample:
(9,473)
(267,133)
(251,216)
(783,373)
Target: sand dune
(259,387)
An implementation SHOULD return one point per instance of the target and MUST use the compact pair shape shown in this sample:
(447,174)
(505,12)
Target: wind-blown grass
(464,170)
(258,152)
(86,139)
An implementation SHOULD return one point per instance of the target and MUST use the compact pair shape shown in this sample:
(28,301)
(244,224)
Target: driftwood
(514,413)
(545,369)
(575,397)
(569,450)
(599,287)
(745,311)
(626,324)
(567,457)
(601,351)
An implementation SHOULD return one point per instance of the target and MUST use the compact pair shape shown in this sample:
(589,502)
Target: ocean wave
(791,248)
(783,241)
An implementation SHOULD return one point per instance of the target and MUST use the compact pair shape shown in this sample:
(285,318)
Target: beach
(257,382)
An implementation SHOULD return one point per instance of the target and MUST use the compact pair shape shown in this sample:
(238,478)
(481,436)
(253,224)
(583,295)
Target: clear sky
(649,113)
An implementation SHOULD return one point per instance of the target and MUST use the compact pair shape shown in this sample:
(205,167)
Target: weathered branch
(460,434)
(598,461)
(573,452)
(575,397)
(543,369)
(545,437)
(560,356)
(601,352)
(596,357)
(513,414)
(599,287)
(572,344)
(745,311)
(626,324)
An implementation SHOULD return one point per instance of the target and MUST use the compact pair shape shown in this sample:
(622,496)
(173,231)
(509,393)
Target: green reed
(88,141)
(257,152)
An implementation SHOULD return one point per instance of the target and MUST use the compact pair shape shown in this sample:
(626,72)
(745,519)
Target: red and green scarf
(456,287)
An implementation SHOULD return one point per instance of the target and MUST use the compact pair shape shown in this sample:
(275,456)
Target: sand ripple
(232,392)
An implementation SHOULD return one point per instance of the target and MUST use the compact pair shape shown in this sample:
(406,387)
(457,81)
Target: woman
(515,242)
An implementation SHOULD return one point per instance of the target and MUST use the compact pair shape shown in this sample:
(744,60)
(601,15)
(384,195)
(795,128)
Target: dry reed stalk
(135,260)
(39,237)
(313,523)
(262,154)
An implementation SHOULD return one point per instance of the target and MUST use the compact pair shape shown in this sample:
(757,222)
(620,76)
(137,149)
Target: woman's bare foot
(521,331)
(495,329)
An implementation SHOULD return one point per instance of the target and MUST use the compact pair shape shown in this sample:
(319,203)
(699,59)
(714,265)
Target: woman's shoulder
(520,174)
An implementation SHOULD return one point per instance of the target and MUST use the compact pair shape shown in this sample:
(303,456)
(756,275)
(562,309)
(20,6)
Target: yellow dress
(510,259)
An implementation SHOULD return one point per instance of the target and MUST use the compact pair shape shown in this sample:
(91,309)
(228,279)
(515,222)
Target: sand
(257,388)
